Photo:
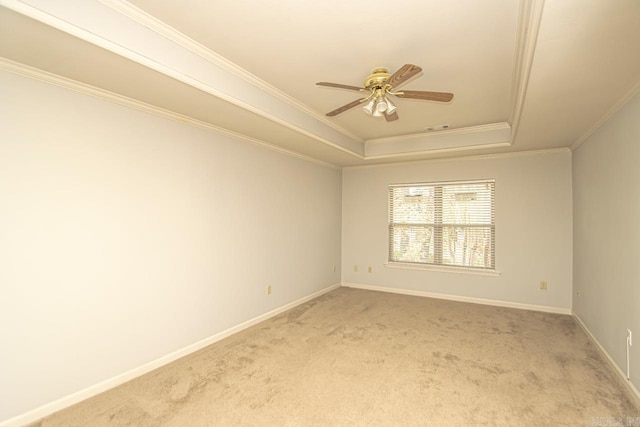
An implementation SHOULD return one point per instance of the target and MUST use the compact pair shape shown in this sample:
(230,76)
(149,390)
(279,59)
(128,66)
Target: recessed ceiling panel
(464,46)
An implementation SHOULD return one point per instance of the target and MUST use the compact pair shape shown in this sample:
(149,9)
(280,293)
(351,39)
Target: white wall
(125,236)
(533,228)
(606,267)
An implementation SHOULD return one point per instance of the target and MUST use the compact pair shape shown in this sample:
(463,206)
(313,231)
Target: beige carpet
(354,357)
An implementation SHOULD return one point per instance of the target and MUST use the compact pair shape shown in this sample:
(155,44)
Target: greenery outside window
(445,224)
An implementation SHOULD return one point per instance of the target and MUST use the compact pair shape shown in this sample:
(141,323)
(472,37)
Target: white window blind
(449,224)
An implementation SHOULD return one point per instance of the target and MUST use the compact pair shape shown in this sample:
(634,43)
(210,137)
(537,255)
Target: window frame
(438,230)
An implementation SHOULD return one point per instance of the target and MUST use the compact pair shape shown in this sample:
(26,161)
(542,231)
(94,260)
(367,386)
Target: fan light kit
(379,85)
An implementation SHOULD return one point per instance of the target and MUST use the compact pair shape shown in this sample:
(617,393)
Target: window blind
(449,224)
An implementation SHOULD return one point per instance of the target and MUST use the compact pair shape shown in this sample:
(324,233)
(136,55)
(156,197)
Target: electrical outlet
(355,268)
(543,286)
(268,289)
(630,336)
(370,269)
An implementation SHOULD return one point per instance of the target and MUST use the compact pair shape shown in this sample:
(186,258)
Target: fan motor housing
(378,77)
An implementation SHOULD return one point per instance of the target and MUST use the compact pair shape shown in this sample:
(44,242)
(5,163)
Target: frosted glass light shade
(369,106)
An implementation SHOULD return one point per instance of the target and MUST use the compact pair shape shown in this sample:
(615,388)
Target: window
(444,224)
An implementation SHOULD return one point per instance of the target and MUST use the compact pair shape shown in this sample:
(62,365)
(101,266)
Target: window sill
(442,269)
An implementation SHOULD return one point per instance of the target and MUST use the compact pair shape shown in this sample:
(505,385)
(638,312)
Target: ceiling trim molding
(451,140)
(143,18)
(635,89)
(435,134)
(464,158)
(395,155)
(105,95)
(94,36)
(529,20)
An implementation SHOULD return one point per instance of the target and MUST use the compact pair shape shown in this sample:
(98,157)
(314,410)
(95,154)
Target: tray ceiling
(526,75)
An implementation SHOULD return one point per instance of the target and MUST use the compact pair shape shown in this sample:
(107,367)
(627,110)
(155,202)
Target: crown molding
(124,29)
(529,19)
(635,89)
(108,28)
(473,137)
(465,158)
(143,18)
(395,155)
(85,89)
(439,133)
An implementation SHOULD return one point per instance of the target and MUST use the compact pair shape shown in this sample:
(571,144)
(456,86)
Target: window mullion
(437,229)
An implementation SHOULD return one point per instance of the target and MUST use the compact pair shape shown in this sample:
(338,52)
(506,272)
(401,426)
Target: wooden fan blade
(403,74)
(340,86)
(391,117)
(346,107)
(427,96)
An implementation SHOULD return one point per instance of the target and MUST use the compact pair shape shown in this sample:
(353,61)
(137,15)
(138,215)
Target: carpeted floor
(354,357)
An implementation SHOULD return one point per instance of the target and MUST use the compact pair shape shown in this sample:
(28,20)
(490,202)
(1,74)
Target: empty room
(319,213)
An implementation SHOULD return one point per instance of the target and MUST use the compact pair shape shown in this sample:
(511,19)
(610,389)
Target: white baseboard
(632,390)
(543,308)
(72,399)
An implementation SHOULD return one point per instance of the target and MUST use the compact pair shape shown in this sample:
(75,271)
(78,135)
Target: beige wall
(606,226)
(533,228)
(125,237)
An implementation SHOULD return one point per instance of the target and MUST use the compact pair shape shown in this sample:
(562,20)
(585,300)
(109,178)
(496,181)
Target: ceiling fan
(379,85)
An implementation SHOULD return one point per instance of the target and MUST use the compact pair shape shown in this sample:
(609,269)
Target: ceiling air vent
(436,128)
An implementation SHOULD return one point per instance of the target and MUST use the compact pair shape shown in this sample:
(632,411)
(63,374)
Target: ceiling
(526,75)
